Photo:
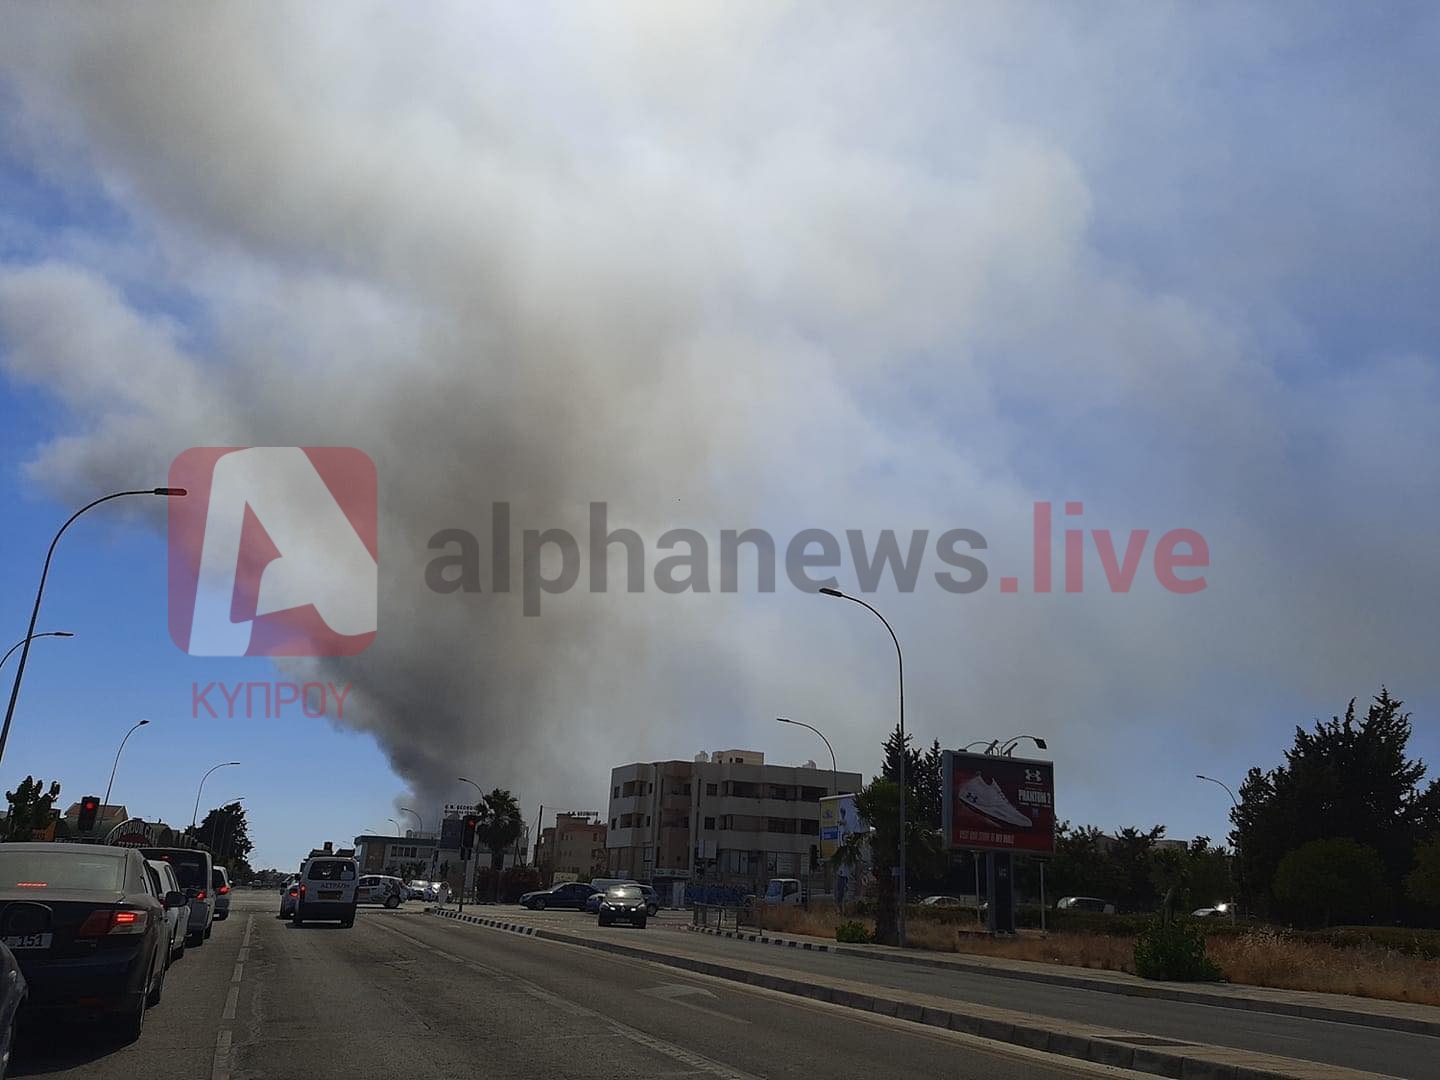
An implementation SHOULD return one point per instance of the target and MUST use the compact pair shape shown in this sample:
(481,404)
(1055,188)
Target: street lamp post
(33,637)
(106,801)
(465,863)
(1239,862)
(40,595)
(834,772)
(196,812)
(900,660)
(395,823)
(1008,749)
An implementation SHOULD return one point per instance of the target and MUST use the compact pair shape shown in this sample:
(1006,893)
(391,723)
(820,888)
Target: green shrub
(852,933)
(1176,951)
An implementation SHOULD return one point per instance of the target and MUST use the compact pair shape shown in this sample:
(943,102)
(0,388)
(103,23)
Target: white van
(785,891)
(327,890)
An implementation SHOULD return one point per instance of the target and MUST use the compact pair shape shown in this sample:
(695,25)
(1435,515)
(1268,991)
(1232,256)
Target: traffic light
(89,810)
(467,834)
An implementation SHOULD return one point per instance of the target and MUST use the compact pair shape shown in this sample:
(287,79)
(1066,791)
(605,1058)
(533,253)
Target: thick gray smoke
(718,268)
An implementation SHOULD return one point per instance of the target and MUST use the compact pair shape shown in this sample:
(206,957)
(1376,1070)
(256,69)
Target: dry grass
(1259,958)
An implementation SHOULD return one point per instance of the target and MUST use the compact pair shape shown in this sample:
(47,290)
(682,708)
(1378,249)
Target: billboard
(995,803)
(838,819)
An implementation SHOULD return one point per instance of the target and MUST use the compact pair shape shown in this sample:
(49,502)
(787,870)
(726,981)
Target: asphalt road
(1392,1053)
(405,994)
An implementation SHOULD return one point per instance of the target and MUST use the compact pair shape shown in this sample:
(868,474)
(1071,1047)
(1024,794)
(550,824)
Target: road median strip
(1102,1046)
(1237,998)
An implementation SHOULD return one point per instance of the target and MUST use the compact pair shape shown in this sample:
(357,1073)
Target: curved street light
(1009,748)
(479,792)
(834,772)
(900,659)
(33,637)
(40,595)
(418,819)
(196,812)
(396,824)
(106,801)
(1239,865)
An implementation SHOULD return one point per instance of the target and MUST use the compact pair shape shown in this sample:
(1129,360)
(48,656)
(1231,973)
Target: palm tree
(501,824)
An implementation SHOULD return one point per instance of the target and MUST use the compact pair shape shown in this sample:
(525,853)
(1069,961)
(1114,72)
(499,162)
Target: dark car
(624,903)
(12,996)
(194,870)
(571,894)
(86,928)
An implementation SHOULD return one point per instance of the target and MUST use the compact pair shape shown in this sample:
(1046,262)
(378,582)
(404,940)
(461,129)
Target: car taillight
(294,892)
(113,921)
(223,889)
(302,890)
(200,895)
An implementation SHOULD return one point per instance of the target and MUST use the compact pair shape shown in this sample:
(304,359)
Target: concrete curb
(1102,1046)
(1163,992)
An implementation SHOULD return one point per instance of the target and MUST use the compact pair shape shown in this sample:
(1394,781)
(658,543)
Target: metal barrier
(720,916)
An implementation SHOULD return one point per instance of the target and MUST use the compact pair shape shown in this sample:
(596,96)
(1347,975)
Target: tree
(1348,777)
(501,824)
(1422,884)
(225,832)
(879,804)
(1131,858)
(1329,879)
(32,807)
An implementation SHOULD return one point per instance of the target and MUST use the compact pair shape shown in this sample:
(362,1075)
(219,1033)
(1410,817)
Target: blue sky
(1175,264)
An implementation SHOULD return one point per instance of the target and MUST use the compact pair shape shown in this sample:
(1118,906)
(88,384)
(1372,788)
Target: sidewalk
(1336,1008)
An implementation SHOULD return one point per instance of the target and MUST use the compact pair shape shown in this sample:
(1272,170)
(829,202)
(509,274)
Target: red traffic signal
(89,810)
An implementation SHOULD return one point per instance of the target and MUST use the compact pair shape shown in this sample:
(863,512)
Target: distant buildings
(573,848)
(725,818)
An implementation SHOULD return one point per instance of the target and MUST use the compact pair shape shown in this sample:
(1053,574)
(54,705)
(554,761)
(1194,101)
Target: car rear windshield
(331,870)
(217,877)
(623,892)
(61,869)
(189,866)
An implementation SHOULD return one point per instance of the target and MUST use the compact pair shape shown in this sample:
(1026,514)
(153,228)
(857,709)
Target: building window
(652,790)
(647,821)
(614,823)
(809,827)
(710,823)
(615,793)
(712,789)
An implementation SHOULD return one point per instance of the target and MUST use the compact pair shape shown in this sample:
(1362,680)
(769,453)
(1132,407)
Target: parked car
(422,890)
(220,881)
(328,890)
(13,990)
(380,889)
(176,918)
(623,903)
(942,902)
(192,867)
(87,929)
(1085,903)
(569,894)
(289,894)
(652,899)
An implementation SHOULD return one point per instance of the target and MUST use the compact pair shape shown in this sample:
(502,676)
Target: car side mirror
(191,893)
(174,898)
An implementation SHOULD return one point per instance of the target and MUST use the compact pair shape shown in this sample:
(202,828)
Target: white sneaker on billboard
(986,798)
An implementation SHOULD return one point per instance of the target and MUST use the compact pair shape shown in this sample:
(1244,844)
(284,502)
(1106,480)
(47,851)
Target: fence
(721,916)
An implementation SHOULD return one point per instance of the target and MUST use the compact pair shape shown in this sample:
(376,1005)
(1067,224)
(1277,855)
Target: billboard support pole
(1042,896)
(975,858)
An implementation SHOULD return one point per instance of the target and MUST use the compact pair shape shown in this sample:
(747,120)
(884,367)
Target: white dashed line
(220,1068)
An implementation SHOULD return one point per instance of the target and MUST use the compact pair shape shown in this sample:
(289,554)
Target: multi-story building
(725,817)
(575,846)
(382,854)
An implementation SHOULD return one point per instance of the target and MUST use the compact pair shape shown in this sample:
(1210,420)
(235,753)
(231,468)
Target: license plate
(29,941)
(329,894)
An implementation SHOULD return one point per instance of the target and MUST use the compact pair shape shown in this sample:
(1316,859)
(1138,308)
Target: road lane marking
(221,1068)
(220,1064)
